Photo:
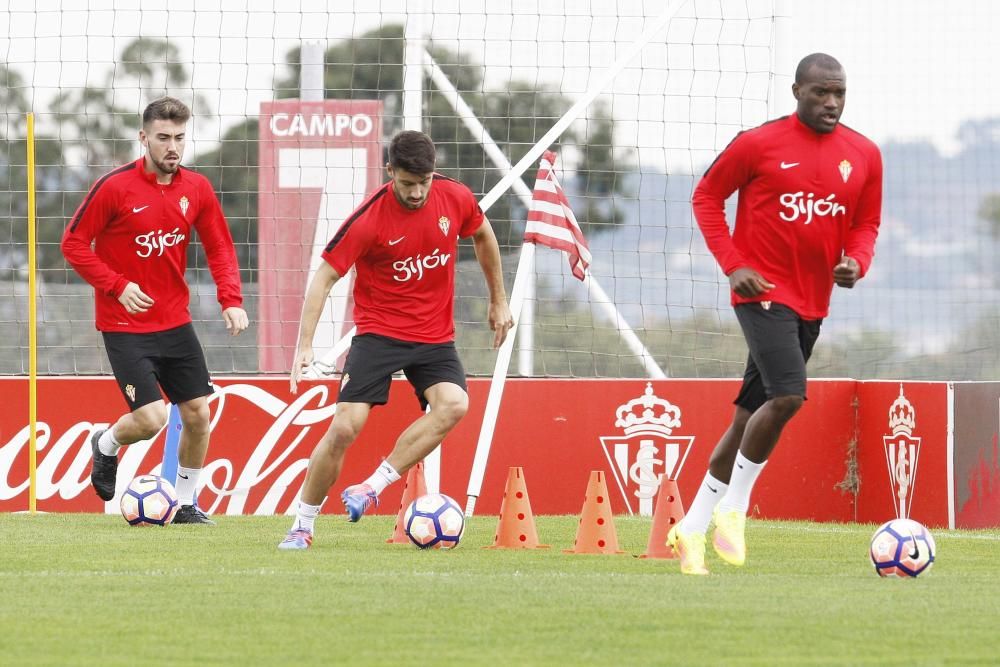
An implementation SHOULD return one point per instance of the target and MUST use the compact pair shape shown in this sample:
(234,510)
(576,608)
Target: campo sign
(318,160)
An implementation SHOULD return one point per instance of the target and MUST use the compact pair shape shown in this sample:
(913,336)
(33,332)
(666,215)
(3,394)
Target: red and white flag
(551,221)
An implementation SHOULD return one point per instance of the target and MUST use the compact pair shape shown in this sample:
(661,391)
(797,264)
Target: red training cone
(596,532)
(415,487)
(516,527)
(669,510)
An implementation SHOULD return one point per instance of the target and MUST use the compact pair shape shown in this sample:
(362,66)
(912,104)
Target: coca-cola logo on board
(256,461)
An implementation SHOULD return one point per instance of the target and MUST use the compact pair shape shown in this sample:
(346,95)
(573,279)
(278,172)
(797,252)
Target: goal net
(628,161)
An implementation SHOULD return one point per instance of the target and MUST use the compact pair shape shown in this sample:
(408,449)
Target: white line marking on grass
(155,573)
(835,529)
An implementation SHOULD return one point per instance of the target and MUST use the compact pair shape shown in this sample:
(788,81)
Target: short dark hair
(821,60)
(412,151)
(166,108)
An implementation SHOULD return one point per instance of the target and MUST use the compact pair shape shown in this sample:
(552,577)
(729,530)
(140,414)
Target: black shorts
(145,362)
(780,344)
(373,359)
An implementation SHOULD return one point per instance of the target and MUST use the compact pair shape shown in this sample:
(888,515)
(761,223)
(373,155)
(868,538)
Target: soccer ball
(434,521)
(902,548)
(149,501)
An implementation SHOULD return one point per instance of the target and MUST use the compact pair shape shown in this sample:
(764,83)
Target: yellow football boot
(691,548)
(728,538)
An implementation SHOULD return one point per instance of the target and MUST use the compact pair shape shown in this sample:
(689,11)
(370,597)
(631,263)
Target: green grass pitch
(89,590)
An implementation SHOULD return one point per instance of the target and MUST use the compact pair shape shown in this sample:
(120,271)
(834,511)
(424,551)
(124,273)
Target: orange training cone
(415,487)
(596,532)
(669,510)
(516,528)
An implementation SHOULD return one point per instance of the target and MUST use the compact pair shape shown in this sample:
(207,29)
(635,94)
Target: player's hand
(236,320)
(748,283)
(500,322)
(847,272)
(303,359)
(134,299)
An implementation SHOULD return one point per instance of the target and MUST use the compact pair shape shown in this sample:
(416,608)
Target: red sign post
(318,160)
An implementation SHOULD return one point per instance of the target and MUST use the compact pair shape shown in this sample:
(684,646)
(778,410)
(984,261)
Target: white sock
(383,476)
(305,516)
(108,444)
(699,514)
(187,484)
(741,483)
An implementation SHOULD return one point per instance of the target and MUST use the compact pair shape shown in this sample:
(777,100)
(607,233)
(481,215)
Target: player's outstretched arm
(488,253)
(732,169)
(316,294)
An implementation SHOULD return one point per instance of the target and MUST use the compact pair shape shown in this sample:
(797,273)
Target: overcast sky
(913,67)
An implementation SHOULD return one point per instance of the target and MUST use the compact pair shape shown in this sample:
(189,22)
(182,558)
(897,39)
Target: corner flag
(551,221)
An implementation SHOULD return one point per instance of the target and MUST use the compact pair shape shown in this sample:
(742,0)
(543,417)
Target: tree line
(94,132)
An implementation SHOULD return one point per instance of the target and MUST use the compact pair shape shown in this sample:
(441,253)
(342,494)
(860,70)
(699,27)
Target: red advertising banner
(557,430)
(977,454)
(560,430)
(902,456)
(318,160)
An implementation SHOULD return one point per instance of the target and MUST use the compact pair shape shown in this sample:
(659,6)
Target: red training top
(805,199)
(141,230)
(405,260)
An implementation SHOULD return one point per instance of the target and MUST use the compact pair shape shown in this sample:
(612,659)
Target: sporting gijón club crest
(647,449)
(902,451)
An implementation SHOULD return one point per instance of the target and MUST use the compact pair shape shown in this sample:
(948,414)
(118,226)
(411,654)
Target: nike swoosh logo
(739,466)
(183,476)
(140,209)
(397,240)
(915,550)
(711,489)
(789,165)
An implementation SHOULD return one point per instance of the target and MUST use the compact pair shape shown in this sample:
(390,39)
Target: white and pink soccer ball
(149,500)
(902,548)
(434,521)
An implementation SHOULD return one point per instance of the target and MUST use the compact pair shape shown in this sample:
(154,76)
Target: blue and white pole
(168,469)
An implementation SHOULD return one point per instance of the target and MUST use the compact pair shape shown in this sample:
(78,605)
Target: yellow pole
(32,322)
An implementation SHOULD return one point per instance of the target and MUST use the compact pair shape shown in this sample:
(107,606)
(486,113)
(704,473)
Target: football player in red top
(810,200)
(129,240)
(403,242)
